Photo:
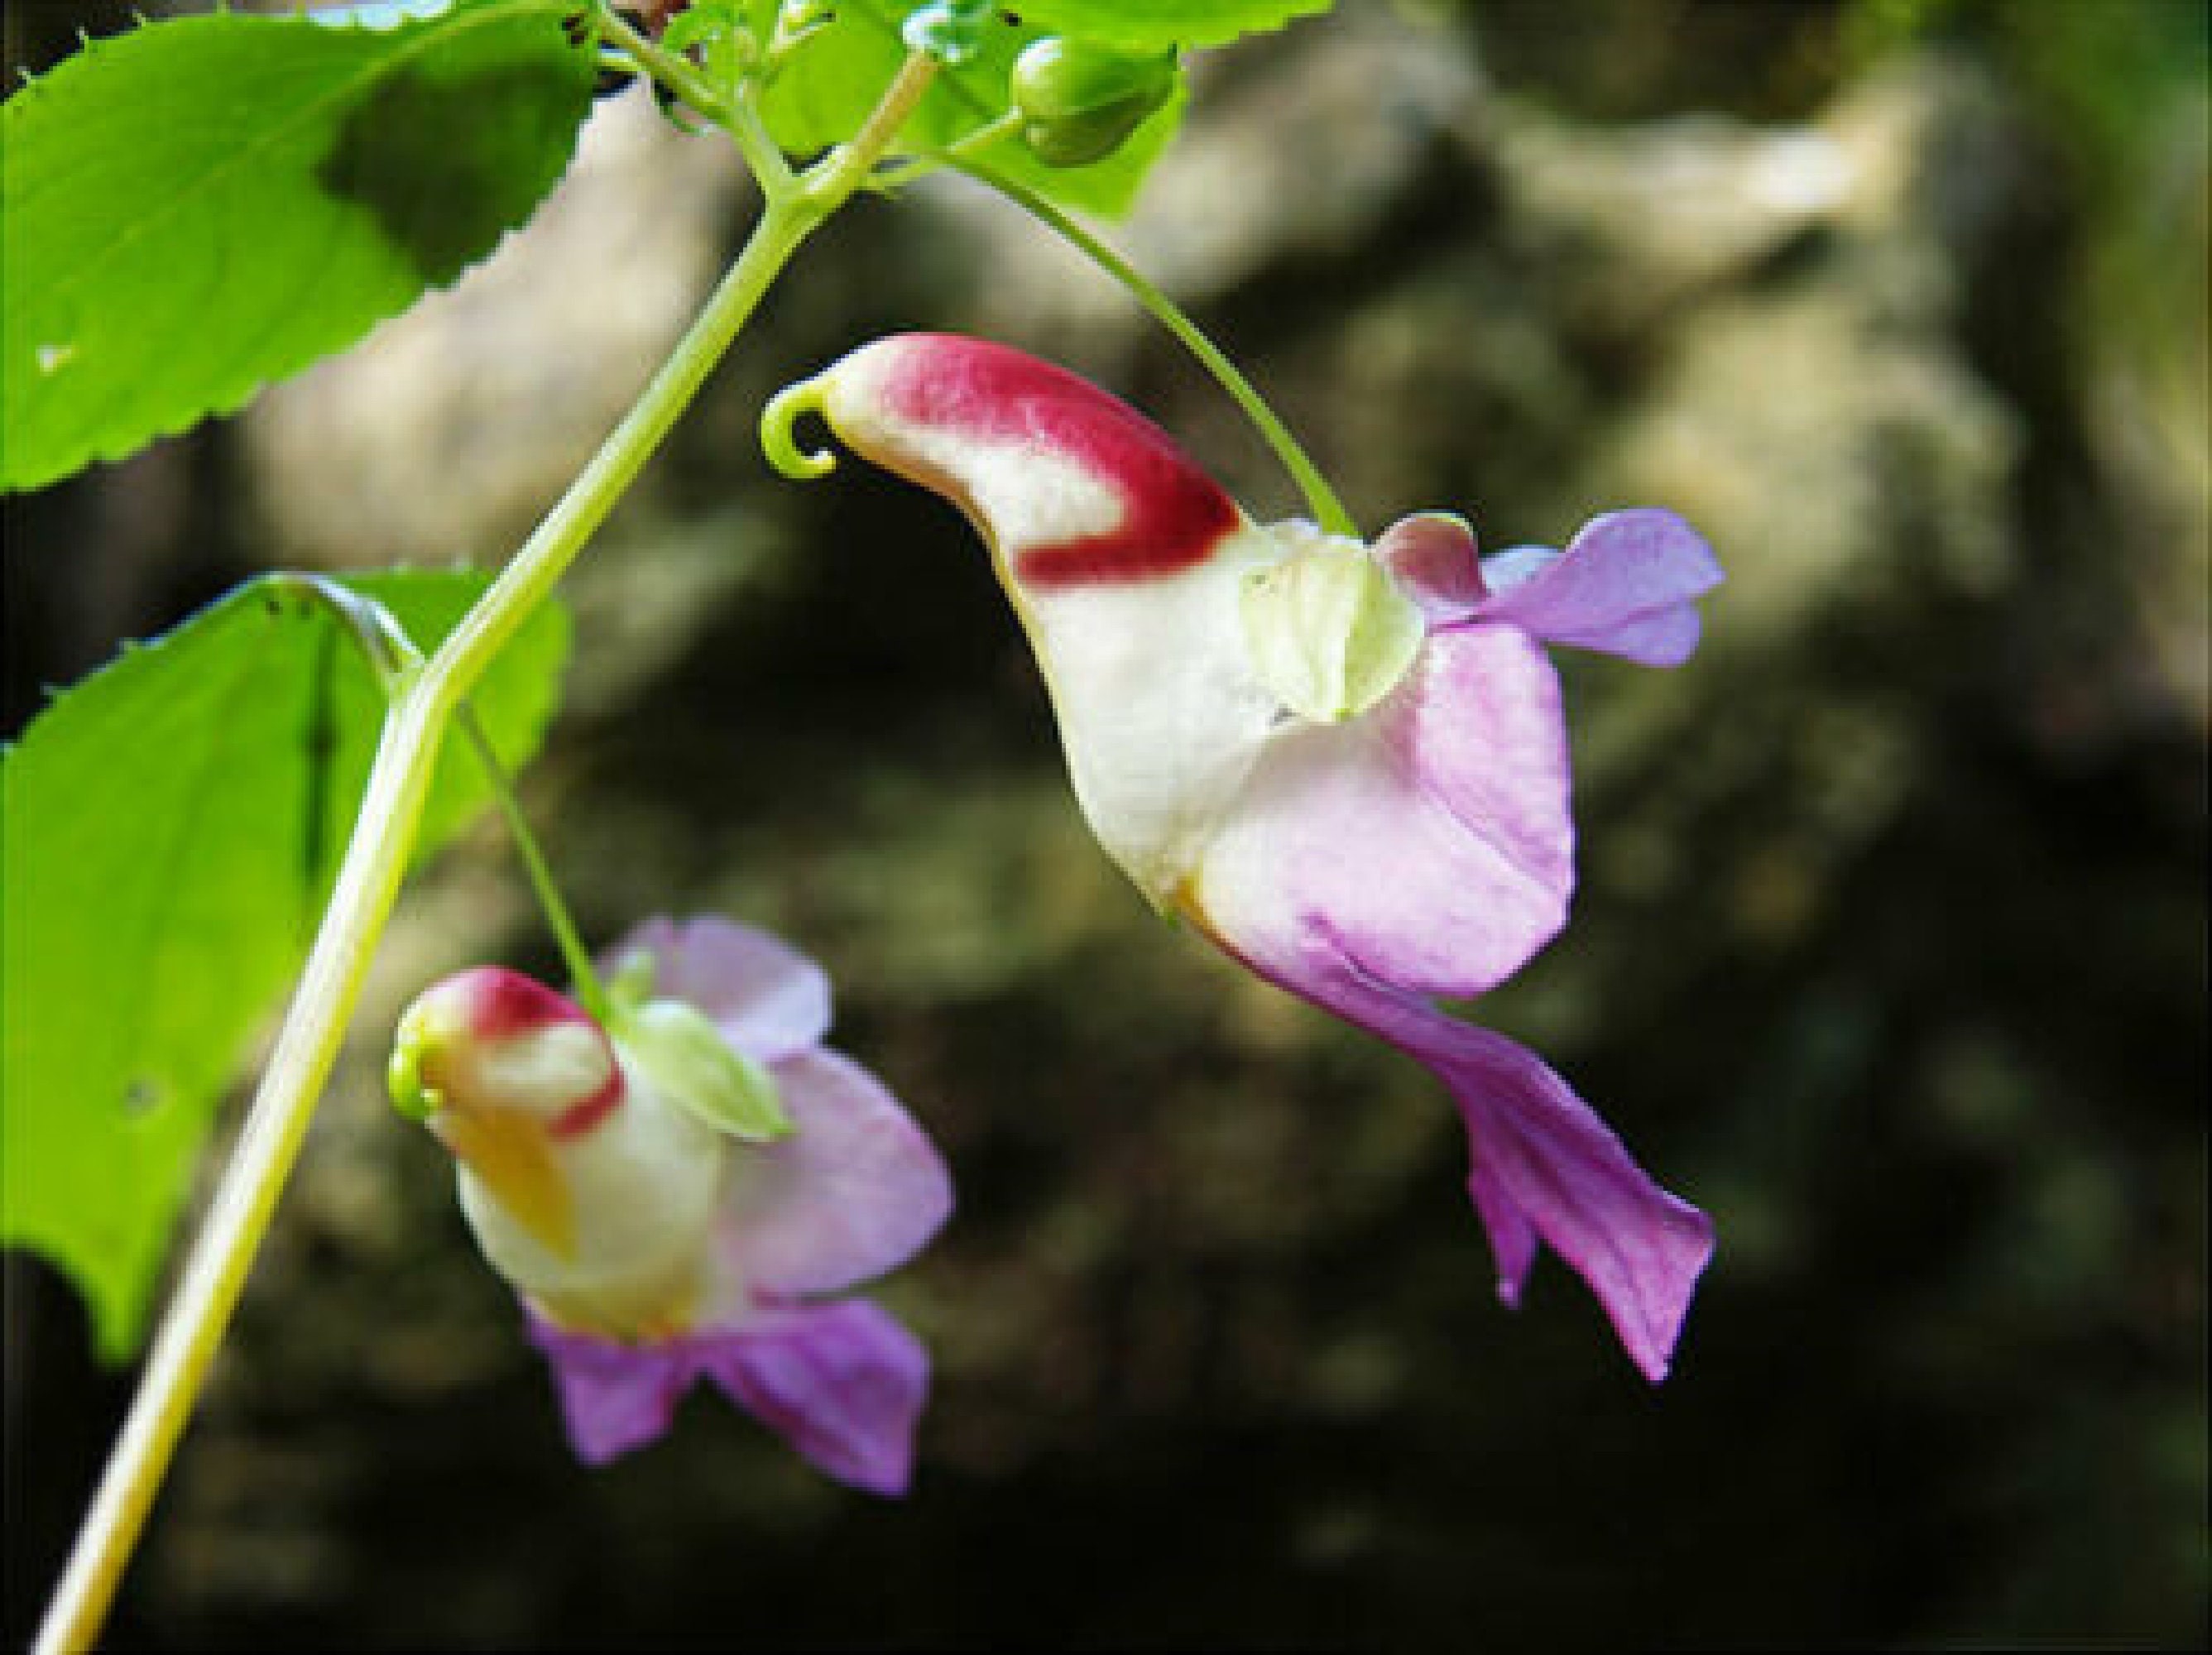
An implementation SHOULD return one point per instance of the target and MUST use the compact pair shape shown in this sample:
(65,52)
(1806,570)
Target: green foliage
(172,824)
(203,206)
(833,79)
(1158,25)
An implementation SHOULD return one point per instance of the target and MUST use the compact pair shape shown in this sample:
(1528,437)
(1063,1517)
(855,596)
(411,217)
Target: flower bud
(1080,102)
(491,1038)
(503,1070)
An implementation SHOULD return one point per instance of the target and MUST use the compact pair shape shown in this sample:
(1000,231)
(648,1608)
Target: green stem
(581,974)
(673,70)
(396,660)
(392,656)
(794,26)
(735,111)
(899,174)
(1328,511)
(368,884)
(762,152)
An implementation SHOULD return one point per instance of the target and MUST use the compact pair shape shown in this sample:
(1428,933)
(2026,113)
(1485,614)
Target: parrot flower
(672,1193)
(1344,764)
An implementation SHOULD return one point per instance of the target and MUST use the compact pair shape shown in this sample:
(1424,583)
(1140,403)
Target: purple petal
(769,999)
(1431,556)
(1540,1159)
(614,1396)
(1540,1163)
(854,1191)
(1626,585)
(1502,571)
(843,1384)
(1432,835)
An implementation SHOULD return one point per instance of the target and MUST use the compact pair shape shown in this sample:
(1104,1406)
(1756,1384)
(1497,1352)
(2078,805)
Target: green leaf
(172,824)
(834,79)
(1156,25)
(203,206)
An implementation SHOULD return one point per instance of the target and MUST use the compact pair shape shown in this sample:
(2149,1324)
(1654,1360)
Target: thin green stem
(581,974)
(368,882)
(672,70)
(794,26)
(901,173)
(396,660)
(762,154)
(377,635)
(734,109)
(1328,511)
(531,575)
(844,169)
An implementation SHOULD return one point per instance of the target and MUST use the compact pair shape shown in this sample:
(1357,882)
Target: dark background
(1890,949)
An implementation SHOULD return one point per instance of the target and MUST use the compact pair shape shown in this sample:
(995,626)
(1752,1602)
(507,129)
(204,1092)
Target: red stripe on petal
(1173,513)
(587,1113)
(501,1004)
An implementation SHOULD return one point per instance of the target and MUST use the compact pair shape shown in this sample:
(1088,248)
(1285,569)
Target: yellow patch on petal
(644,1314)
(510,1156)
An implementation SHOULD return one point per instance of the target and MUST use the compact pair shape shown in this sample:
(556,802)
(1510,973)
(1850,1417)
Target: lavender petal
(1627,585)
(843,1384)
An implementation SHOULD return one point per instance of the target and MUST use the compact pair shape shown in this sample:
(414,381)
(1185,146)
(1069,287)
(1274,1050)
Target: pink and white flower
(674,1195)
(1345,764)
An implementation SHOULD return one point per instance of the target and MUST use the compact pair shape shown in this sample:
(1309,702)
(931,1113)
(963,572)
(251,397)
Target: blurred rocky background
(1890,948)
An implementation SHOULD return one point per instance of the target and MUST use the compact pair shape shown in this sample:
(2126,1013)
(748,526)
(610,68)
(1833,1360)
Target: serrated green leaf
(172,825)
(203,206)
(833,80)
(1158,25)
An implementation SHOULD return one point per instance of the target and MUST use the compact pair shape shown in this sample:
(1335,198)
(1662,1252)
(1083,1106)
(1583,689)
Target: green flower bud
(1080,102)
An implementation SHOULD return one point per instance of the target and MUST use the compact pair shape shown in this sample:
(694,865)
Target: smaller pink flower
(657,1234)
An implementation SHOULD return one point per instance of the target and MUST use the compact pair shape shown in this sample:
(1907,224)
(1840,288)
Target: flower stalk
(396,659)
(1328,511)
(590,994)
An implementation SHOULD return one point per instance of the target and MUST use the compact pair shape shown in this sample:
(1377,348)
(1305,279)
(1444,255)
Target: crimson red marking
(503,1003)
(1173,513)
(582,1115)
